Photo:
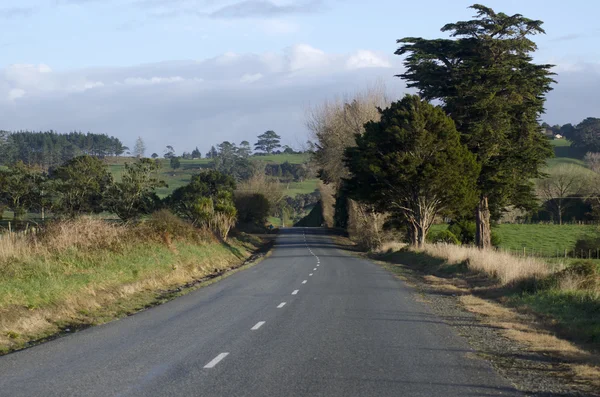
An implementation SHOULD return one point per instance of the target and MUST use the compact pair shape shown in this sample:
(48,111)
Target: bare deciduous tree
(140,148)
(562,183)
(260,183)
(333,126)
(592,160)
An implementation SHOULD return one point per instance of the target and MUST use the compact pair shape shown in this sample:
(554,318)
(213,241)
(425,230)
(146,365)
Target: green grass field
(304,187)
(282,158)
(539,239)
(565,154)
(543,238)
(181,176)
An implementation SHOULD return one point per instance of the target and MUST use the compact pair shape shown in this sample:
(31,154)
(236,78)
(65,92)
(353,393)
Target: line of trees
(481,148)
(84,185)
(51,149)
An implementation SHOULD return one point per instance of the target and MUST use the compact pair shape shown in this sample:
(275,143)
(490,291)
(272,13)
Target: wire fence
(10,231)
(589,253)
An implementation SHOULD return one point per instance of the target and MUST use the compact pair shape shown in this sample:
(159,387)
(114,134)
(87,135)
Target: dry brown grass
(389,247)
(526,330)
(13,246)
(504,267)
(84,233)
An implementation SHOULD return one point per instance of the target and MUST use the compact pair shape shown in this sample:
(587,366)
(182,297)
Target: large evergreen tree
(412,164)
(267,142)
(488,83)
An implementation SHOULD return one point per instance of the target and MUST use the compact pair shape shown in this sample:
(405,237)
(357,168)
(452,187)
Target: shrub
(496,239)
(366,225)
(252,208)
(579,275)
(587,247)
(443,236)
(465,231)
(583,268)
(166,225)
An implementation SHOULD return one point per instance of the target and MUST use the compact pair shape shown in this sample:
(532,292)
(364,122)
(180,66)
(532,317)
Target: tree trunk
(483,234)
(421,236)
(413,234)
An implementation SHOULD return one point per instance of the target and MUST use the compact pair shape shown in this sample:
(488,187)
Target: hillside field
(539,239)
(179,177)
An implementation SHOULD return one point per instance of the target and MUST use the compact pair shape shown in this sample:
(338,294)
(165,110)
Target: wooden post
(565,253)
(523,251)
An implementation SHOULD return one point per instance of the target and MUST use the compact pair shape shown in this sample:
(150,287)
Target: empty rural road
(310,320)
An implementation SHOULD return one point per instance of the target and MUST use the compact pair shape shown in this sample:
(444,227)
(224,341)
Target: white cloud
(303,56)
(16,93)
(367,59)
(184,103)
(251,78)
(203,102)
(153,80)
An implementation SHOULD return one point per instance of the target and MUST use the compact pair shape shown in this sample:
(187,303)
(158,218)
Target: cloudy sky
(192,73)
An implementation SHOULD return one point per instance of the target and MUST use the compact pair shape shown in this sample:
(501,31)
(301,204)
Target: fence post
(565,253)
(523,252)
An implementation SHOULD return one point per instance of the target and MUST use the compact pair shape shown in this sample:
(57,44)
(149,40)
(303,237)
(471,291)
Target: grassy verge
(87,272)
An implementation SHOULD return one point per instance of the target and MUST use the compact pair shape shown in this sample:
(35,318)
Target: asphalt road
(308,321)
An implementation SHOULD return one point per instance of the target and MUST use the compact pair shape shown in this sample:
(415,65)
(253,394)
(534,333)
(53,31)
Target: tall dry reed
(502,266)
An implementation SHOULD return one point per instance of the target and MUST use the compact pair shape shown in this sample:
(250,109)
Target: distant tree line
(84,185)
(584,136)
(51,149)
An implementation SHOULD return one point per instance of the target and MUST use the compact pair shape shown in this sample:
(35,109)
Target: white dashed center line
(216,360)
(258,325)
(305,281)
(295,292)
(310,274)
(315,269)
(282,304)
